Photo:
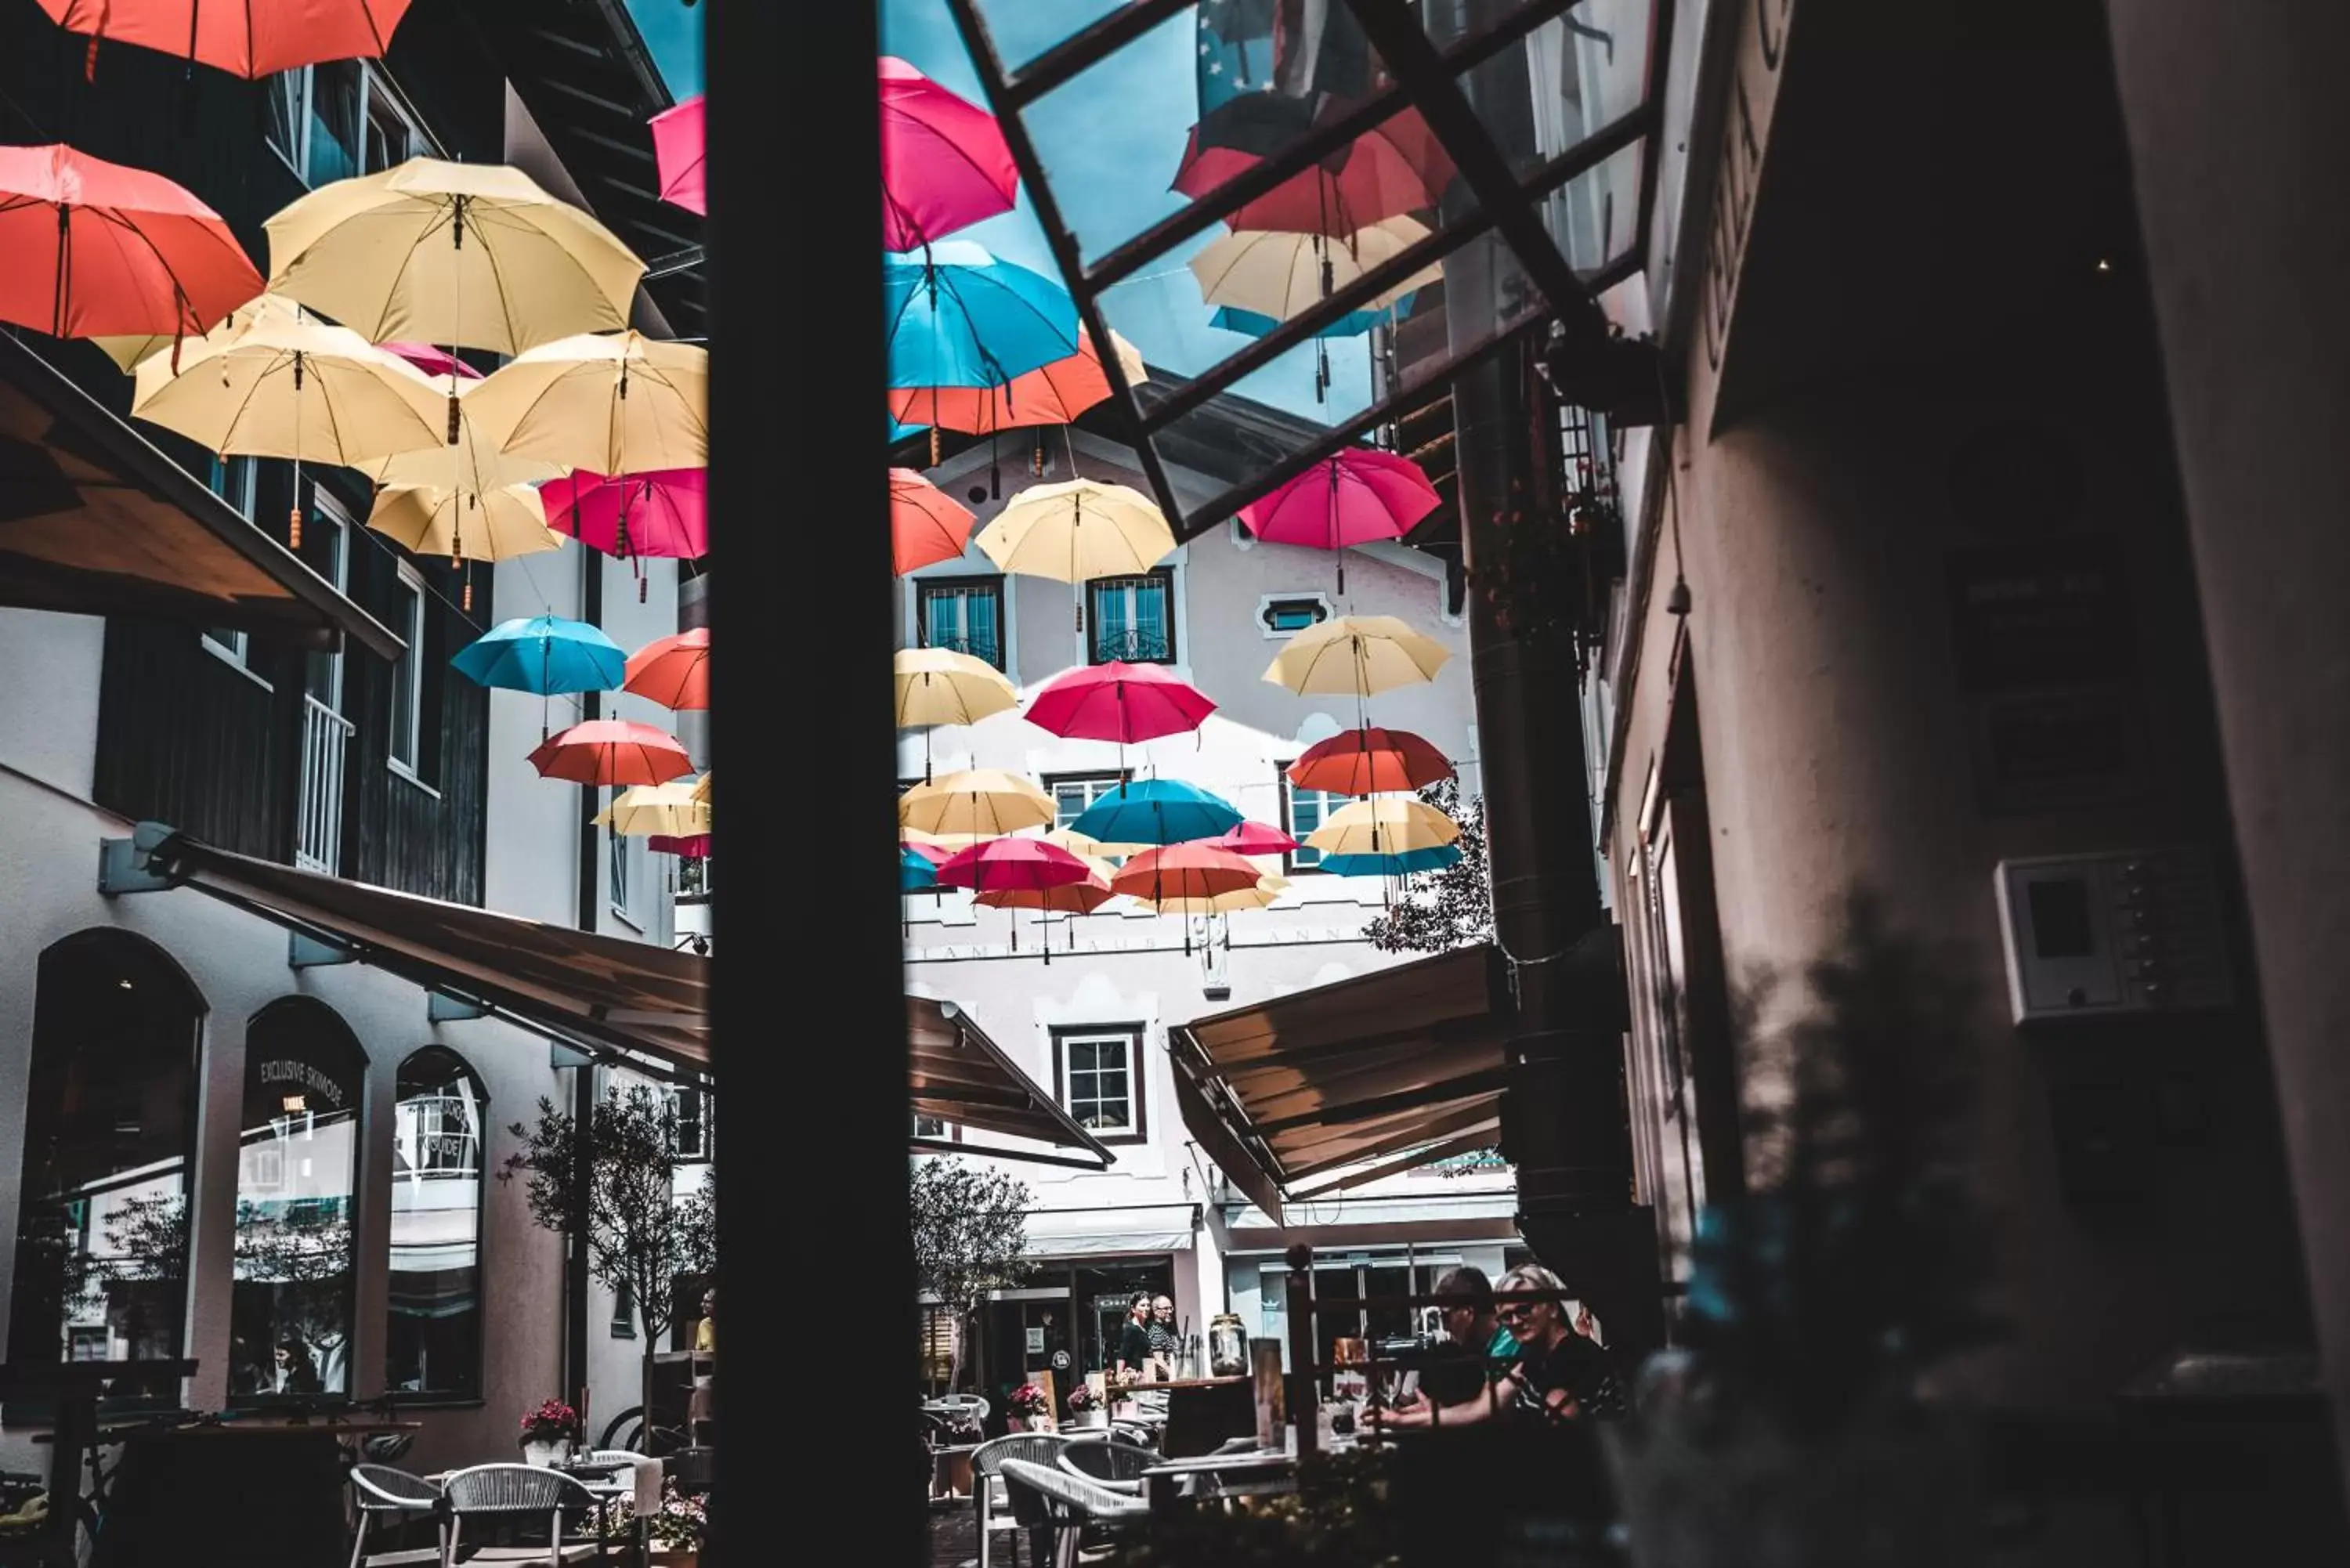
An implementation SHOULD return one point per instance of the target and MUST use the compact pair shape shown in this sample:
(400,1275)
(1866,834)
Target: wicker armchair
(1075,1503)
(392,1497)
(1027,1510)
(495,1492)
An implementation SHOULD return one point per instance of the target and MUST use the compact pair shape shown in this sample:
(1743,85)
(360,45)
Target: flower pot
(676,1556)
(1038,1423)
(546,1455)
(1095,1418)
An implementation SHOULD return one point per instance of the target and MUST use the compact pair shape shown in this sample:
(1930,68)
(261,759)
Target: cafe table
(1249,1472)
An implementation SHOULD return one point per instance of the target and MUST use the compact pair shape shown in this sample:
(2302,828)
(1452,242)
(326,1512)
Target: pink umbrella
(694,847)
(995,864)
(1359,496)
(1123,702)
(677,155)
(663,512)
(936,854)
(944,165)
(1253,838)
(432,361)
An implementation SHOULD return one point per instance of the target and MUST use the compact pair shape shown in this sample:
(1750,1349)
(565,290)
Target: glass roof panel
(1567,81)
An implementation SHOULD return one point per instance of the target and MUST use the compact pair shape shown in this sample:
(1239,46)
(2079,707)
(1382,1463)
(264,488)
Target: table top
(249,1427)
(1179,1382)
(1211,1464)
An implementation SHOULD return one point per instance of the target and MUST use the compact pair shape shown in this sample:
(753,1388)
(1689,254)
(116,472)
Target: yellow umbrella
(988,802)
(1266,890)
(130,353)
(1089,848)
(1285,274)
(940,686)
(664,808)
(622,403)
(1356,655)
(473,462)
(701,790)
(1383,825)
(1078,531)
(464,524)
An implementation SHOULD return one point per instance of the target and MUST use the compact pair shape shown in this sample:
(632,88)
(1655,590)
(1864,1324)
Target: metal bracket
(309,952)
(125,865)
(439,1007)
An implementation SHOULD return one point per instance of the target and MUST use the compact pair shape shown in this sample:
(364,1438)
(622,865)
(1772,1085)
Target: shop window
(965,614)
(110,1123)
(1303,811)
(297,1170)
(1132,620)
(433,1336)
(1099,1071)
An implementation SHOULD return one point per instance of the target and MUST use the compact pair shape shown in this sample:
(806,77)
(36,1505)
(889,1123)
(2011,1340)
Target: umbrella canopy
(1355,497)
(1395,167)
(253,40)
(1265,890)
(962,318)
(472,462)
(464,524)
(667,809)
(1385,824)
(1285,274)
(664,513)
(1000,863)
(1054,394)
(612,752)
(1128,703)
(1068,899)
(674,671)
(1356,655)
(703,790)
(622,403)
(692,845)
(944,163)
(133,349)
(933,850)
(1354,324)
(926,524)
(543,655)
(677,155)
(1156,811)
(1369,760)
(917,872)
(1087,847)
(277,385)
(940,686)
(987,802)
(432,360)
(1252,837)
(95,249)
(1185,871)
(471,255)
(1078,531)
(1401,863)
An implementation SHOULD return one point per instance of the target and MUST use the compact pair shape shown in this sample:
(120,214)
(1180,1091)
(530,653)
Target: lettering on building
(1761,45)
(303,1076)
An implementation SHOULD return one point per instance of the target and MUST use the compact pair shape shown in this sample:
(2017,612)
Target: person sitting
(1558,1375)
(1476,1348)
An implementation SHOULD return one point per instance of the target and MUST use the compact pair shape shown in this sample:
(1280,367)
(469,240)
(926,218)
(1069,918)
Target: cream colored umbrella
(1285,274)
(473,462)
(464,524)
(987,802)
(940,686)
(643,810)
(132,352)
(1089,848)
(950,842)
(701,790)
(611,404)
(1266,890)
(1383,825)
(1356,656)
(1078,531)
(279,386)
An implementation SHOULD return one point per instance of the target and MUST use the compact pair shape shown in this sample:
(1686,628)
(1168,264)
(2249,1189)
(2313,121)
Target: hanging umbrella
(703,789)
(1068,899)
(664,513)
(926,524)
(688,847)
(1129,703)
(984,801)
(1185,871)
(1000,863)
(944,163)
(667,809)
(472,464)
(1359,656)
(276,384)
(622,403)
(1285,274)
(677,155)
(95,249)
(1264,891)
(917,872)
(543,655)
(1357,496)
(132,351)
(432,360)
(933,850)
(1395,167)
(1054,394)
(940,686)
(1384,825)
(1078,531)
(1369,760)
(674,671)
(959,317)
(1156,811)
(1354,324)
(612,752)
(464,524)
(252,38)
(1254,837)
(1087,847)
(1402,863)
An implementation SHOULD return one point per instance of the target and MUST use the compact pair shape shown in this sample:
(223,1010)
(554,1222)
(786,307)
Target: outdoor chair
(959,1409)
(1112,1462)
(646,1471)
(1023,1510)
(394,1498)
(1075,1503)
(492,1493)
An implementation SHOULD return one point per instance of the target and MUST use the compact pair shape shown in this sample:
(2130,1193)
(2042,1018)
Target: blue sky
(672,31)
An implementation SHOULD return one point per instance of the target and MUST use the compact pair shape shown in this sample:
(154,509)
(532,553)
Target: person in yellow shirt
(705,1333)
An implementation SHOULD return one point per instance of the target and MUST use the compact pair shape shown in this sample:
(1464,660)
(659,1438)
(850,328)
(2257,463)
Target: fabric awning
(1105,1244)
(94,520)
(1382,1070)
(593,989)
(961,1077)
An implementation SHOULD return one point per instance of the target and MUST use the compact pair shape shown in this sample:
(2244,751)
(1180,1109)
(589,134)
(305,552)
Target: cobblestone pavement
(954,1535)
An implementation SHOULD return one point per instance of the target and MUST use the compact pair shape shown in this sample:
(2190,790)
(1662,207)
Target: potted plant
(1086,1407)
(1029,1407)
(548,1433)
(676,1532)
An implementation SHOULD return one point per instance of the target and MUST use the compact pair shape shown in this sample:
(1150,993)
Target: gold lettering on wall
(1754,82)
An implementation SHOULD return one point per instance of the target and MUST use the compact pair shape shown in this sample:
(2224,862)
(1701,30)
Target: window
(624,1310)
(296,1169)
(1286,615)
(341,118)
(965,614)
(408,673)
(1100,1074)
(692,1108)
(232,479)
(1073,792)
(392,137)
(627,870)
(433,1335)
(1303,811)
(936,1129)
(1133,618)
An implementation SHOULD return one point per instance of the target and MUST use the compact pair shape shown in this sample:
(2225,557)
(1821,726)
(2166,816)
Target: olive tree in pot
(970,1227)
(1787,1428)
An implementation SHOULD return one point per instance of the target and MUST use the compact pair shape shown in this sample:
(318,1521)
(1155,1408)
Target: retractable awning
(96,521)
(962,1077)
(1371,1076)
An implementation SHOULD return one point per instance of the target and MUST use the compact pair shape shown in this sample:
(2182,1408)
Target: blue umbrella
(915,872)
(959,317)
(544,655)
(1404,861)
(1156,811)
(1354,324)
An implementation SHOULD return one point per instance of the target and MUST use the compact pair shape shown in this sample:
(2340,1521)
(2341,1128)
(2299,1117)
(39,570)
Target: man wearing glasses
(1557,1375)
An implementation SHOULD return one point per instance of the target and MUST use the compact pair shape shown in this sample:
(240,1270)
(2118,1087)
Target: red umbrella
(926,524)
(664,511)
(1359,496)
(1128,703)
(252,38)
(432,360)
(996,863)
(944,165)
(677,155)
(1395,167)
(1196,870)
(674,671)
(1369,760)
(1068,899)
(97,250)
(694,846)
(612,752)
(1253,838)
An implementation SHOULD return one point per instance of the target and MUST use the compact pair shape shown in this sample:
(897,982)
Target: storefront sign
(2042,616)
(302,1076)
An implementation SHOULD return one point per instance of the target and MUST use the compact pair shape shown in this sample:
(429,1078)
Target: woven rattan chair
(392,1497)
(1075,1501)
(1113,1461)
(490,1493)
(1026,1512)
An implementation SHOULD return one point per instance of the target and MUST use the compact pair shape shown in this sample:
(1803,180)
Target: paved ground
(954,1535)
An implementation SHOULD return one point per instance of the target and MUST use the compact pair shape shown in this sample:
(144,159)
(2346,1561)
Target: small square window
(407,674)
(1099,1072)
(965,614)
(1286,615)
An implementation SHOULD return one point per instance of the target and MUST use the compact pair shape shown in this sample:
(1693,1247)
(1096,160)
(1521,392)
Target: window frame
(449,1399)
(705,1149)
(924,587)
(1108,778)
(1290,866)
(1162,576)
(407,579)
(237,481)
(626,870)
(1134,1035)
(296,88)
(1266,602)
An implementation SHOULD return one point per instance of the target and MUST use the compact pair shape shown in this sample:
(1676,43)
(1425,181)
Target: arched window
(110,1120)
(434,1338)
(296,1169)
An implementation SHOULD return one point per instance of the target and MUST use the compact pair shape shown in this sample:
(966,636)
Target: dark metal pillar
(583,1078)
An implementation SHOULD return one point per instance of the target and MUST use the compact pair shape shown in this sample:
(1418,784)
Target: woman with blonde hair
(1559,1375)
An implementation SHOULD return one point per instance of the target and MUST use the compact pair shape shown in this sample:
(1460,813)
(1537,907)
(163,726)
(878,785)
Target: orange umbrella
(674,671)
(98,250)
(1194,870)
(249,40)
(925,526)
(1055,395)
(612,752)
(1369,760)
